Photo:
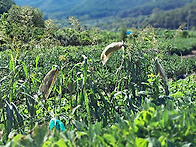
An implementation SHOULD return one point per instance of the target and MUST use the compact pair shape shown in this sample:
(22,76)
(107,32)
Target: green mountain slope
(5,5)
(110,13)
(93,8)
(174,18)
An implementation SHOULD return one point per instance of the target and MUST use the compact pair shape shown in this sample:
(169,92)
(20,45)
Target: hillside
(105,12)
(5,5)
(94,9)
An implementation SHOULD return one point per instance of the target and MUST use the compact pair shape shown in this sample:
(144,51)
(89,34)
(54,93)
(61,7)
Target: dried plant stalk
(109,49)
(48,82)
(161,71)
(163,76)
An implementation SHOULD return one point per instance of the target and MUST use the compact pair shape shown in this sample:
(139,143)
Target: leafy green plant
(127,102)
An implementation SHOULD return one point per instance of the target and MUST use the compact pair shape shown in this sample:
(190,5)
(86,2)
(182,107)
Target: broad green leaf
(101,139)
(178,94)
(154,132)
(9,114)
(25,69)
(147,39)
(87,105)
(91,132)
(47,143)
(143,118)
(163,141)
(151,109)
(111,139)
(14,86)
(165,118)
(70,135)
(154,124)
(125,133)
(79,134)
(19,116)
(140,142)
(60,143)
(16,138)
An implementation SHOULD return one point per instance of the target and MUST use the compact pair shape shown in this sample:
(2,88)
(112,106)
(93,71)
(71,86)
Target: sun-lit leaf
(140,142)
(79,134)
(165,118)
(177,94)
(60,143)
(36,61)
(25,69)
(11,63)
(16,138)
(111,139)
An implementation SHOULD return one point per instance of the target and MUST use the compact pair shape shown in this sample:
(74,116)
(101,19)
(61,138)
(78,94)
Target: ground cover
(135,99)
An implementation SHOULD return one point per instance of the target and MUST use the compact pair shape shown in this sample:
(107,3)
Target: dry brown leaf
(48,82)
(109,49)
(161,71)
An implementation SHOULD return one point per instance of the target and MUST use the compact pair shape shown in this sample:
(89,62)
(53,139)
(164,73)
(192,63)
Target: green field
(143,96)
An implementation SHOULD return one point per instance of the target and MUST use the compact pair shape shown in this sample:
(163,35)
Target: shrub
(5,5)
(26,16)
(20,26)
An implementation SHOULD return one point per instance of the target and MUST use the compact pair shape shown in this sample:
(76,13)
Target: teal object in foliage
(128,32)
(57,124)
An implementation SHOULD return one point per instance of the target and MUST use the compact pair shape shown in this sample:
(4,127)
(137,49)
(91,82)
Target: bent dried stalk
(161,71)
(48,82)
(109,49)
(163,76)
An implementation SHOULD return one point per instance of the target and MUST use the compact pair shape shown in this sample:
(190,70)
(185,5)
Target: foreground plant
(156,126)
(109,49)
(48,82)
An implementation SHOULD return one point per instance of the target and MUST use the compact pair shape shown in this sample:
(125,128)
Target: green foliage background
(5,5)
(108,15)
(127,102)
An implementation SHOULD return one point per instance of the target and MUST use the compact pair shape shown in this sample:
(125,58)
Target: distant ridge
(104,13)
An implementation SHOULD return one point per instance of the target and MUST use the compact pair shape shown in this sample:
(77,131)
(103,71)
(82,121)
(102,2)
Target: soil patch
(191,55)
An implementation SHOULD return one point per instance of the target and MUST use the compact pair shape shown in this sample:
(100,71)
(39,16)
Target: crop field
(55,91)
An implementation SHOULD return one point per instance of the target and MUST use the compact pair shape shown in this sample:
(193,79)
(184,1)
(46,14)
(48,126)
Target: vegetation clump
(135,99)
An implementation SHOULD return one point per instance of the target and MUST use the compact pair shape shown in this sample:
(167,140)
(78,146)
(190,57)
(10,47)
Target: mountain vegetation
(174,18)
(5,5)
(110,14)
(55,89)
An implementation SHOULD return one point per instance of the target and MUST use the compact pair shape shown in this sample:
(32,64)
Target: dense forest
(171,19)
(5,5)
(108,14)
